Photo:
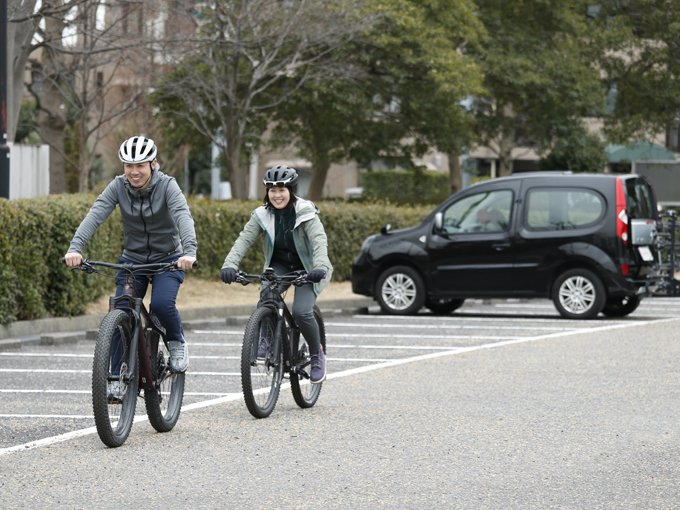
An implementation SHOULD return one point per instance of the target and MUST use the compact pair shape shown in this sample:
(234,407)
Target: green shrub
(35,235)
(405,187)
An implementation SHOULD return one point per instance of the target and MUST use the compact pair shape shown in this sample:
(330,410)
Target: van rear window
(563,209)
(640,199)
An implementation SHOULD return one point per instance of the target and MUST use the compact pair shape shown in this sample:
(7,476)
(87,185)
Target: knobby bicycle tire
(113,420)
(260,378)
(163,404)
(305,393)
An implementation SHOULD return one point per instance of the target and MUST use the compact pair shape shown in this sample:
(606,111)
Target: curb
(58,331)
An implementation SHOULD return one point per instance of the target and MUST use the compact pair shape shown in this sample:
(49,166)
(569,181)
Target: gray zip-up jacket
(309,235)
(153,219)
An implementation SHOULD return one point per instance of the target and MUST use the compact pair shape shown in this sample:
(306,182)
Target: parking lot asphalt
(499,405)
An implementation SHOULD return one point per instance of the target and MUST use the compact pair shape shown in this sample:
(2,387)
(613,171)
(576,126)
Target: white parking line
(385,335)
(440,326)
(458,318)
(345,373)
(62,416)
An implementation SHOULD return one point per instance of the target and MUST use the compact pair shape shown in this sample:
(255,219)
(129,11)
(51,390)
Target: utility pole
(4,148)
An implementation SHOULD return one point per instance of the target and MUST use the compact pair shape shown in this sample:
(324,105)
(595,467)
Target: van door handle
(500,246)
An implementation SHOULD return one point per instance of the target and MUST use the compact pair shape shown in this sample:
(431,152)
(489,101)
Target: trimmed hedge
(405,186)
(35,234)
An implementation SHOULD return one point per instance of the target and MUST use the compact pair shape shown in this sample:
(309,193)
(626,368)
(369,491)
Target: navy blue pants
(164,289)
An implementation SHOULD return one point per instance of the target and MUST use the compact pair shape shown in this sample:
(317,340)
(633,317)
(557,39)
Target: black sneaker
(318,374)
(179,356)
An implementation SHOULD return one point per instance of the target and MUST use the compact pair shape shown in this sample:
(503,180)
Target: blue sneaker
(318,374)
(265,346)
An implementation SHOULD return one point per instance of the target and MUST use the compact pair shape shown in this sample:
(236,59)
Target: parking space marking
(457,318)
(440,326)
(336,375)
(45,371)
(43,355)
(62,416)
(388,335)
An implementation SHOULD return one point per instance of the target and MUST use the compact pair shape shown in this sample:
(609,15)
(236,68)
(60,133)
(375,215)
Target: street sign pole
(4,148)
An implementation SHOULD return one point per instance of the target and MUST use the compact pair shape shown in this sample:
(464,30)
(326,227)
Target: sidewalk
(61,330)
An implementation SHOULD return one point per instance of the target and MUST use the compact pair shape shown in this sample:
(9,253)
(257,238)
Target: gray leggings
(302,311)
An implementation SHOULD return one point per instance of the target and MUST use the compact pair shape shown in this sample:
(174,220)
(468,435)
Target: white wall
(29,170)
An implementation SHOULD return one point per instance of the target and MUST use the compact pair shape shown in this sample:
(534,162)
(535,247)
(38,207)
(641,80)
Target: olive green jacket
(309,235)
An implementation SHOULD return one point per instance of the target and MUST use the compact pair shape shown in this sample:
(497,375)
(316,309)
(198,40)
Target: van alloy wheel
(579,294)
(400,291)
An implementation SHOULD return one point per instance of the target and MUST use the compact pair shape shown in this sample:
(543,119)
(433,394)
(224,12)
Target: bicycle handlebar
(158,267)
(295,278)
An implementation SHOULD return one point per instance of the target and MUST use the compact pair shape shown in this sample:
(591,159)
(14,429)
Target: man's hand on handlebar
(186,262)
(73,259)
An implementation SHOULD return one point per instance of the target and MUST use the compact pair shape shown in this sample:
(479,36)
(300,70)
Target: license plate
(646,253)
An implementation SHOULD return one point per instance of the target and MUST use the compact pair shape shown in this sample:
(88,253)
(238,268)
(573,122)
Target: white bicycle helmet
(138,149)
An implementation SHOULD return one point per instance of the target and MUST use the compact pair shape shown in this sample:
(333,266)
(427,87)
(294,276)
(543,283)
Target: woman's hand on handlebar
(186,262)
(73,259)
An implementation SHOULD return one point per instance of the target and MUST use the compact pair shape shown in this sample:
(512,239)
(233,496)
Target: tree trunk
(52,117)
(83,160)
(505,156)
(321,164)
(237,176)
(19,37)
(455,176)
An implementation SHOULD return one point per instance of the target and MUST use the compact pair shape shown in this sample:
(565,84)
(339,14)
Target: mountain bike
(289,356)
(131,349)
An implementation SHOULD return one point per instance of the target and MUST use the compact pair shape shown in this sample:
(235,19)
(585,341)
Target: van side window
(560,209)
(483,212)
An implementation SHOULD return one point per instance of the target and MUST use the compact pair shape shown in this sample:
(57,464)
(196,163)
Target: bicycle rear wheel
(163,404)
(260,378)
(305,393)
(113,416)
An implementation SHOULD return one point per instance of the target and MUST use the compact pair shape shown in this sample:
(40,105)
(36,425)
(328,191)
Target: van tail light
(624,268)
(621,215)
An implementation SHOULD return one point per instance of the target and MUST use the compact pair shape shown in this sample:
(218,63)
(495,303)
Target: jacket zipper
(141,215)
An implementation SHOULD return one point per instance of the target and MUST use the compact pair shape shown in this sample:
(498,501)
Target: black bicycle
(130,355)
(289,354)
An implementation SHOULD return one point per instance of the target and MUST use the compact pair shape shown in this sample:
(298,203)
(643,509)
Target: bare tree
(232,71)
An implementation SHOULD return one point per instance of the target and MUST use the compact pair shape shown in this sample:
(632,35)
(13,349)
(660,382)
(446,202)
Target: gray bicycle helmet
(138,149)
(280,176)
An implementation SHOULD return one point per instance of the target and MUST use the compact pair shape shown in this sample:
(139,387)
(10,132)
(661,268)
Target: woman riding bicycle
(155,215)
(293,239)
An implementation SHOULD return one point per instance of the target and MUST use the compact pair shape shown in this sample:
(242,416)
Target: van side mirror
(438,221)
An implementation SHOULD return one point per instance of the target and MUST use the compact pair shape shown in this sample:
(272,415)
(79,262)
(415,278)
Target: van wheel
(621,306)
(578,294)
(443,306)
(400,291)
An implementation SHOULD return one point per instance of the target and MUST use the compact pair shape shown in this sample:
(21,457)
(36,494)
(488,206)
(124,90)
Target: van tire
(400,291)
(621,306)
(579,294)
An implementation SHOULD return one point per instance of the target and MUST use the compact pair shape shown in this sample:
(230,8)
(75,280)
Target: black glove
(228,275)
(316,275)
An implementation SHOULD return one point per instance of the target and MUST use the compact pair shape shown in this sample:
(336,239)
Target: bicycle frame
(143,326)
(277,304)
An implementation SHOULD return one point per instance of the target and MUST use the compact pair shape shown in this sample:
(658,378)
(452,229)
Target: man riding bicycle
(158,227)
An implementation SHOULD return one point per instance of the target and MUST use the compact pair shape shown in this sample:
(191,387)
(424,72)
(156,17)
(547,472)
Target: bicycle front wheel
(114,387)
(305,393)
(163,403)
(260,377)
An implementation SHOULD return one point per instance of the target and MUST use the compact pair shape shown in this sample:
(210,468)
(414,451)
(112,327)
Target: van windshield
(640,199)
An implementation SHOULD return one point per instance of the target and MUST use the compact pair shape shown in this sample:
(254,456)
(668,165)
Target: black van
(568,237)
